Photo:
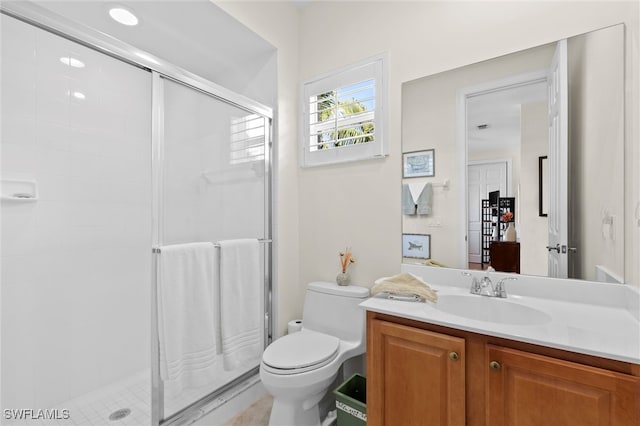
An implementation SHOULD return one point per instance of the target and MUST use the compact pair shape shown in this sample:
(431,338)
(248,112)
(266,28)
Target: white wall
(76,264)
(422,38)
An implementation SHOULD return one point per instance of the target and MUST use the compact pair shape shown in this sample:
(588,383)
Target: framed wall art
(417,246)
(419,164)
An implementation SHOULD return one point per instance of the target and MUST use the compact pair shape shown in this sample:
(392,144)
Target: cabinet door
(526,389)
(414,377)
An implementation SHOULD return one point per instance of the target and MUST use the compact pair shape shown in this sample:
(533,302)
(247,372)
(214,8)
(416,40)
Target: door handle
(556,248)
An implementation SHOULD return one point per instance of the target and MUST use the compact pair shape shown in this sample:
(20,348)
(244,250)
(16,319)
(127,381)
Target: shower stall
(107,155)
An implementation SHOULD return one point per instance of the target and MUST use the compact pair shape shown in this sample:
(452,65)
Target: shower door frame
(44,19)
(157,169)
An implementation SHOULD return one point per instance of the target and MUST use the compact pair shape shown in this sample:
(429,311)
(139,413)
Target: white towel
(186,321)
(242,307)
(405,284)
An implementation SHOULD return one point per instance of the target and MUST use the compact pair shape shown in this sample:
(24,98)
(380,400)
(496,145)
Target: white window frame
(371,68)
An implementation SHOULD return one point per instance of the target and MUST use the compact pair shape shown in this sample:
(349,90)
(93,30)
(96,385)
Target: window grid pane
(342,117)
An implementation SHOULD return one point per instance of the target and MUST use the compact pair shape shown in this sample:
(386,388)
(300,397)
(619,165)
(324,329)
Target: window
(344,115)
(247,139)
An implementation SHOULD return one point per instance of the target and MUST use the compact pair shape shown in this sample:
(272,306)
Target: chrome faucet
(475,284)
(485,287)
(500,290)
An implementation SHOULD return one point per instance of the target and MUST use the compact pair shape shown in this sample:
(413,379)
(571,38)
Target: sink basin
(491,309)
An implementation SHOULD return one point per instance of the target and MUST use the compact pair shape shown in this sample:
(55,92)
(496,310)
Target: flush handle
(454,356)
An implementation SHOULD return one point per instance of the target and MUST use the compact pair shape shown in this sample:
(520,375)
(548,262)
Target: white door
(482,178)
(558,163)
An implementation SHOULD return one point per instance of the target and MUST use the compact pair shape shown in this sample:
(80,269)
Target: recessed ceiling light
(123,16)
(72,62)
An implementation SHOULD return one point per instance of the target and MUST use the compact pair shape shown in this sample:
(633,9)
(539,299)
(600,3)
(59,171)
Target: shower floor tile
(94,408)
(133,393)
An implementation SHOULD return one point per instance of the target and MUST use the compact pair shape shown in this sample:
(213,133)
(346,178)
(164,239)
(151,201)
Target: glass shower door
(213,185)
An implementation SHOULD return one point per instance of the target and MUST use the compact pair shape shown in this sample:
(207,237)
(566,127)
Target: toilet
(299,368)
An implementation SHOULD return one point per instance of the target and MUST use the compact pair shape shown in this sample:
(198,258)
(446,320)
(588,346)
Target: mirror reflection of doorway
(483,177)
(507,122)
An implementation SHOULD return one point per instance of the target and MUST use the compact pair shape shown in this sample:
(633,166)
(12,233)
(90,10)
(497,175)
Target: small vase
(510,233)
(343,278)
(496,234)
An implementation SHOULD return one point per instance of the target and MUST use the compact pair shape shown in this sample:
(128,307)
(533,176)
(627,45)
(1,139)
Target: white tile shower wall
(75,264)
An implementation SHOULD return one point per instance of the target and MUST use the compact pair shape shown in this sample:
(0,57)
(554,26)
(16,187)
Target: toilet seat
(300,352)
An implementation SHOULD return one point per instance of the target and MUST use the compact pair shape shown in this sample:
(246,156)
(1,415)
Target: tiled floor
(256,415)
(94,408)
(134,394)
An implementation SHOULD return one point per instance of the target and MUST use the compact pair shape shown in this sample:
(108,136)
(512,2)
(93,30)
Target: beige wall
(533,232)
(596,110)
(322,210)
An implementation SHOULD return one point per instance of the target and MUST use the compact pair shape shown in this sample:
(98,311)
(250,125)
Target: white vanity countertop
(600,329)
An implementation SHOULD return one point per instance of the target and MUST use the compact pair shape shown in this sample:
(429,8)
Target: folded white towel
(186,322)
(405,284)
(242,307)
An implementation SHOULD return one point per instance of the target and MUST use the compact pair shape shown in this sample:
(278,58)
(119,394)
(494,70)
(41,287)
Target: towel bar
(216,245)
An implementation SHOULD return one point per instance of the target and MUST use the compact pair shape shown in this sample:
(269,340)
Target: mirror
(487,127)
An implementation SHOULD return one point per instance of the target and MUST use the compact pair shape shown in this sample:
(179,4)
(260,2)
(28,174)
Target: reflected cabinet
(505,256)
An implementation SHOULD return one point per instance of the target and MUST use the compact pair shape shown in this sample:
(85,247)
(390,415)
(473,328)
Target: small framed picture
(417,246)
(419,164)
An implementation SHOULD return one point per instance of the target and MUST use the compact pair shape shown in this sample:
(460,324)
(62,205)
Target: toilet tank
(333,309)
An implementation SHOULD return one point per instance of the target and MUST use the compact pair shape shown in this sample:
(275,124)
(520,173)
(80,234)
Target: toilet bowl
(299,368)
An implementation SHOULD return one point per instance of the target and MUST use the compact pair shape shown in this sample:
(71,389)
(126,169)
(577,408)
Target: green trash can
(351,401)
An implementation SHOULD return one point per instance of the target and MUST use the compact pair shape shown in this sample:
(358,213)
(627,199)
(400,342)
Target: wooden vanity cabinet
(529,389)
(413,379)
(423,375)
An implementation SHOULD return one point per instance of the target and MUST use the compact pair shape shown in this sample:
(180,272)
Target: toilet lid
(301,350)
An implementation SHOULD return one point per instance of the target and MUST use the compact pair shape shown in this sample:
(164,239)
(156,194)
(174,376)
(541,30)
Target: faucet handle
(500,290)
(475,284)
